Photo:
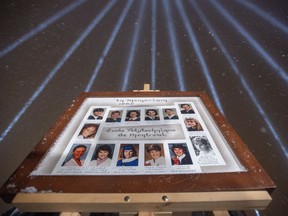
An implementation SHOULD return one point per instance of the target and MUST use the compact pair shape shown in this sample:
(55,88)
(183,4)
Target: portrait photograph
(114,116)
(96,114)
(154,155)
(179,154)
(88,131)
(186,108)
(77,155)
(170,114)
(202,145)
(103,155)
(128,155)
(133,115)
(152,114)
(192,124)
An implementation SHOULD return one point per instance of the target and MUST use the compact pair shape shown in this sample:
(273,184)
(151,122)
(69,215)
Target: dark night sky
(238,55)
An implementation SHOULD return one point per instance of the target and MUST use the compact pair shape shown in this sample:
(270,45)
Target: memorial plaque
(139,142)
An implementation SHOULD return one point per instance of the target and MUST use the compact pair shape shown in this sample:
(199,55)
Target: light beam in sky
(199,54)
(241,77)
(174,45)
(241,30)
(108,45)
(41,27)
(52,73)
(135,38)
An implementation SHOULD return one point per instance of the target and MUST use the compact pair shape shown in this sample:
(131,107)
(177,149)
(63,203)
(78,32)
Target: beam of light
(41,26)
(138,25)
(174,47)
(199,54)
(52,73)
(154,46)
(265,55)
(108,45)
(257,212)
(264,15)
(240,76)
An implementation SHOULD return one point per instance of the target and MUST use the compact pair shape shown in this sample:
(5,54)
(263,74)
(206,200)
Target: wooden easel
(146,88)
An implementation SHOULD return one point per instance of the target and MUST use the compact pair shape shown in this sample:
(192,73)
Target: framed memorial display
(155,151)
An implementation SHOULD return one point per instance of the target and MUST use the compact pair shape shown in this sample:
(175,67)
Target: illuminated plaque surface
(140,136)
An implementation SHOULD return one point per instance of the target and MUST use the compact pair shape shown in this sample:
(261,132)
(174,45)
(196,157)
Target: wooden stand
(146,89)
(144,204)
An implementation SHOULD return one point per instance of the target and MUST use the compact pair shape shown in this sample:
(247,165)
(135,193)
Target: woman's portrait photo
(201,146)
(154,155)
(103,155)
(133,115)
(128,155)
(179,154)
(77,155)
(88,131)
(151,115)
(192,124)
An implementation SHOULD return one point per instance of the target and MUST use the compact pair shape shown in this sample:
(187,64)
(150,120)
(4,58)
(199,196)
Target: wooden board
(153,202)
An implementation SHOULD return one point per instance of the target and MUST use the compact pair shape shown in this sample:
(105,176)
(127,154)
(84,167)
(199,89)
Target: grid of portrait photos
(140,140)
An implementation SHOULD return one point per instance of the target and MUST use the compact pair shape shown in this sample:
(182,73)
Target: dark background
(43,70)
